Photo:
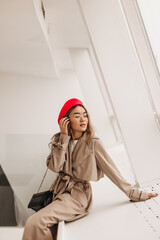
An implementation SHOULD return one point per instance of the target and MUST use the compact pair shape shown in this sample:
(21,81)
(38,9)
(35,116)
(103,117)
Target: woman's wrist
(64,133)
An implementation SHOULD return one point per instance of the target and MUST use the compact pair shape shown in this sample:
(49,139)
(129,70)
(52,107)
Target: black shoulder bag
(40,199)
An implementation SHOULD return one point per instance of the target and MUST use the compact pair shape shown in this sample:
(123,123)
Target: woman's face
(78,119)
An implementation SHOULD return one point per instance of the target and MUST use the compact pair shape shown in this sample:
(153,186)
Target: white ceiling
(66,27)
(23,46)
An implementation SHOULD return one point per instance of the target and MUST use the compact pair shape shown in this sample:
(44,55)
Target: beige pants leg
(38,225)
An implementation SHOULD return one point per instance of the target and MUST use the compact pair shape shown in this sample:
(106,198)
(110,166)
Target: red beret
(70,103)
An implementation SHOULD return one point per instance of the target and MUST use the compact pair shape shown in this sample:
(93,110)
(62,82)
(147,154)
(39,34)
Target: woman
(79,157)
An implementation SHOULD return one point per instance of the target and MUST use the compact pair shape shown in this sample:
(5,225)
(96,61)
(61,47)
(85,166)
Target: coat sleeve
(56,158)
(106,164)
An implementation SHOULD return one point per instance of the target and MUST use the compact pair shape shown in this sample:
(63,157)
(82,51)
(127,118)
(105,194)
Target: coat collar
(84,137)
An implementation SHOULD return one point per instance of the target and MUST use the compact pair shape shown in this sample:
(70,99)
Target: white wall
(150,10)
(31,105)
(125,84)
(29,108)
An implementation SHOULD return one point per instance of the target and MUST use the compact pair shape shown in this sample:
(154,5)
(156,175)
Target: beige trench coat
(72,193)
(88,162)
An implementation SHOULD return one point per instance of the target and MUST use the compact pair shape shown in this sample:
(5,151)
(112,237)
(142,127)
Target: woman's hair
(89,130)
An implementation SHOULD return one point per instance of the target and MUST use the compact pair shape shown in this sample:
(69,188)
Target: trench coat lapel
(70,156)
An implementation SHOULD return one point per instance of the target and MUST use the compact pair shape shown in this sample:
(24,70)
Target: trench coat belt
(68,182)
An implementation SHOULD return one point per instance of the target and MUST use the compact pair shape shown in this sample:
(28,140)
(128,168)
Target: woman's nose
(81,118)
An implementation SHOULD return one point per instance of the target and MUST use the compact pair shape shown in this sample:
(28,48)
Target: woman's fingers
(63,124)
(63,121)
(67,124)
(151,195)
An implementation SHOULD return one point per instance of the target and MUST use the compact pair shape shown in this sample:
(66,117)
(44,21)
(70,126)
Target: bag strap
(42,180)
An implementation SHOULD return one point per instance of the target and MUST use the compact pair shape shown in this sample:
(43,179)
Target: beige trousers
(40,225)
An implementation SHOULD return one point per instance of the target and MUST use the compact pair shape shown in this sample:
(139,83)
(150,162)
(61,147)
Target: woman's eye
(78,116)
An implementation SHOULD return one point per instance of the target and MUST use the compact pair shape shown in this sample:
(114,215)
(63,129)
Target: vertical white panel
(125,83)
(144,53)
(91,91)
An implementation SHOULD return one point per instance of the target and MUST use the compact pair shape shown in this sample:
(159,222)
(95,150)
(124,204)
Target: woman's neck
(76,135)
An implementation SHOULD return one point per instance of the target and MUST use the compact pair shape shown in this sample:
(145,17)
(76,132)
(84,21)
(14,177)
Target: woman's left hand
(151,195)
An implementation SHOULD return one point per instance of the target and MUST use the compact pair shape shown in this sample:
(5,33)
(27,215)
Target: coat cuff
(62,142)
(137,194)
(64,138)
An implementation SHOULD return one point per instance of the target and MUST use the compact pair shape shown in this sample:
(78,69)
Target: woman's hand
(151,195)
(63,124)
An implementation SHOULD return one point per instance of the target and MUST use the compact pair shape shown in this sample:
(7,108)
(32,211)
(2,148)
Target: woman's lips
(83,125)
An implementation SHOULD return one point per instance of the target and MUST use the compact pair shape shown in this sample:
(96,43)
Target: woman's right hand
(63,124)
(151,195)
